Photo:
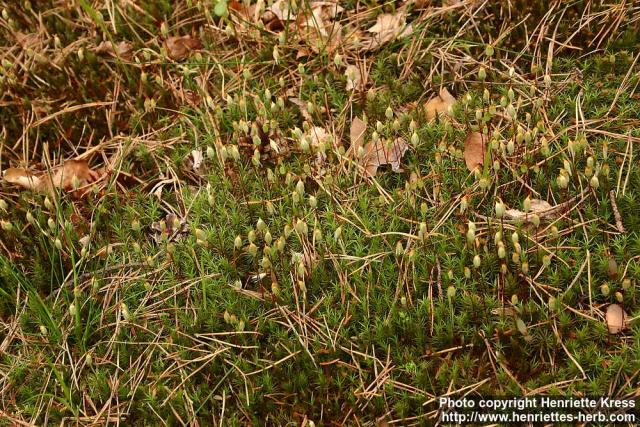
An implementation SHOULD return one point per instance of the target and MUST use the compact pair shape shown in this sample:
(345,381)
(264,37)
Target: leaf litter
(440,104)
(180,48)
(381,153)
(73,174)
(474,150)
(388,27)
(356,135)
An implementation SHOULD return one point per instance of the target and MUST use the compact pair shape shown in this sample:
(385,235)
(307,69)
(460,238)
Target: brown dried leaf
(616,318)
(122,49)
(246,12)
(71,175)
(194,162)
(356,134)
(279,10)
(439,104)
(539,207)
(180,47)
(387,24)
(474,146)
(387,28)
(317,136)
(23,178)
(383,153)
(356,77)
(317,29)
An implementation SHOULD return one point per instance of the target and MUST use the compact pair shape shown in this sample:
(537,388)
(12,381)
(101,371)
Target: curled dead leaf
(121,49)
(317,137)
(439,104)
(23,178)
(356,77)
(194,162)
(71,175)
(616,318)
(381,153)
(474,148)
(180,47)
(84,240)
(539,207)
(74,174)
(388,27)
(281,10)
(107,250)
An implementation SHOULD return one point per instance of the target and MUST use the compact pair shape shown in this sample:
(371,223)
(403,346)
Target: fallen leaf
(616,318)
(356,135)
(281,10)
(387,24)
(121,49)
(304,52)
(381,153)
(71,175)
(23,178)
(84,240)
(180,47)
(387,28)
(474,147)
(356,77)
(539,207)
(107,250)
(245,12)
(317,29)
(303,108)
(255,278)
(191,97)
(194,162)
(325,10)
(439,104)
(319,136)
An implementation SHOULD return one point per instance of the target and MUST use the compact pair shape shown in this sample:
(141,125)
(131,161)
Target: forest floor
(314,213)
